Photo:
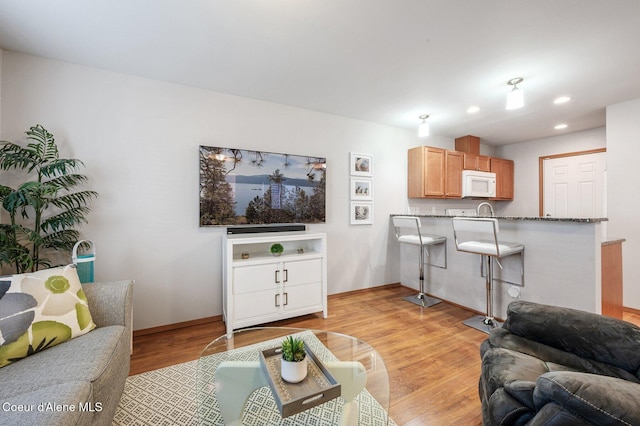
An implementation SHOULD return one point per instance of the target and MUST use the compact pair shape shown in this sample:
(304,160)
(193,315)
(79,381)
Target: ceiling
(384,61)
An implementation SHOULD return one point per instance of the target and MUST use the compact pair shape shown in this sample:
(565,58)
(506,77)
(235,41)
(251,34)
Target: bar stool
(408,231)
(490,249)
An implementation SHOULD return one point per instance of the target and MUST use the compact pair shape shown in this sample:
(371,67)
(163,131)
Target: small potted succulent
(294,360)
(276,249)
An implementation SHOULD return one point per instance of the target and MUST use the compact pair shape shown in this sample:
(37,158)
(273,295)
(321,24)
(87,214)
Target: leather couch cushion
(583,334)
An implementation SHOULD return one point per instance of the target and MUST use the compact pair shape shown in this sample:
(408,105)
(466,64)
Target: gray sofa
(78,382)
(557,366)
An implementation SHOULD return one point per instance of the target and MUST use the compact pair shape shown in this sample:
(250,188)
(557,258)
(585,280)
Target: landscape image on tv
(239,187)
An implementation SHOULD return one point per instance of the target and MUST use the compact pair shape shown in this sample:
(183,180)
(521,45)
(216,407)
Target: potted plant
(44,211)
(294,360)
(276,249)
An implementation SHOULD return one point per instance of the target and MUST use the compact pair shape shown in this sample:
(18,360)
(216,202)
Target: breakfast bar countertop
(533,218)
(563,259)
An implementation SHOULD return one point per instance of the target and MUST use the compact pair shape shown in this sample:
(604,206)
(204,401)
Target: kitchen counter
(535,218)
(614,241)
(562,264)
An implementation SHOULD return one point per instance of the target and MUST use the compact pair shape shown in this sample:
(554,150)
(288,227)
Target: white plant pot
(292,371)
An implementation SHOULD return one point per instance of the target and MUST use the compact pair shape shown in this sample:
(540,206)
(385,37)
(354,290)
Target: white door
(575,186)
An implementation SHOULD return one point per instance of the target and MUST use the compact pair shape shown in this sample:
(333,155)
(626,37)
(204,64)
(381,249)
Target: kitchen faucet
(485,204)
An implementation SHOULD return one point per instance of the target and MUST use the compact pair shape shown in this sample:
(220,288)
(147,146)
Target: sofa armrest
(110,303)
(601,399)
(587,335)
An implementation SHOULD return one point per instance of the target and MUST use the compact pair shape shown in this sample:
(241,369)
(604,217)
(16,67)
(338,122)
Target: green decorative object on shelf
(276,249)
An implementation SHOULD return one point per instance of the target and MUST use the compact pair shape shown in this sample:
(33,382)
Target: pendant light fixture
(515,98)
(423,128)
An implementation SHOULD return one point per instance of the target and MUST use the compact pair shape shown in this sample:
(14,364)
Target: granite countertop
(615,241)
(533,218)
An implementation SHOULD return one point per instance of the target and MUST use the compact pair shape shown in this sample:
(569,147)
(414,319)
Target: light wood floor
(432,358)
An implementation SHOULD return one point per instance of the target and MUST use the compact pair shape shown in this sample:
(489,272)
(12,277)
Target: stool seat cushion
(427,239)
(488,248)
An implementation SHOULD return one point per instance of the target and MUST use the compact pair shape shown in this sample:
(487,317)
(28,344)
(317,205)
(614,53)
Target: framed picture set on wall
(360,189)
(361,165)
(361,213)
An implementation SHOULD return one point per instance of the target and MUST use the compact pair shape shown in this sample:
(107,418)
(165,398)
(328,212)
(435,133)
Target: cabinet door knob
(286,299)
(277,279)
(277,305)
(286,275)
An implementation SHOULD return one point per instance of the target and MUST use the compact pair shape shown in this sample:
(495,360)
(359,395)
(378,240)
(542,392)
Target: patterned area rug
(169,396)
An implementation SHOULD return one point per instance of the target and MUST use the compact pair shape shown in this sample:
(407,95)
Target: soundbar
(255,229)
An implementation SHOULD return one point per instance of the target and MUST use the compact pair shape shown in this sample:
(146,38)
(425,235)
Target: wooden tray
(292,398)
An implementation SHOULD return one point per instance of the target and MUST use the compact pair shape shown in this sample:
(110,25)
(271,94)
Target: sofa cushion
(39,310)
(60,404)
(502,338)
(603,400)
(515,372)
(583,334)
(85,359)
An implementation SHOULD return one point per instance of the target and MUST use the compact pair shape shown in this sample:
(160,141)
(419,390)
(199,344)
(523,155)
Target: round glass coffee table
(238,381)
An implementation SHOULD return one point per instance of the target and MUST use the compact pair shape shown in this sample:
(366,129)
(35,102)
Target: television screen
(254,187)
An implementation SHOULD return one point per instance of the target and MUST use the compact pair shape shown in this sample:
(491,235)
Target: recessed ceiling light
(560,126)
(561,99)
(473,109)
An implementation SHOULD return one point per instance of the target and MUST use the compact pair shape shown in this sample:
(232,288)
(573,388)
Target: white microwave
(478,184)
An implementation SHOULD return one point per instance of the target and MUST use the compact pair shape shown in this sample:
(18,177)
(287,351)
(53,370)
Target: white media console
(260,287)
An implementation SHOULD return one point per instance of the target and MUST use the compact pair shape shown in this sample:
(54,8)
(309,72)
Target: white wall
(623,150)
(1,54)
(139,140)
(526,169)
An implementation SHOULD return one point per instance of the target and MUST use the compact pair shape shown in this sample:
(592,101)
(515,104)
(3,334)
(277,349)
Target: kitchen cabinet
(504,178)
(469,143)
(259,287)
(437,173)
(480,163)
(426,172)
(453,174)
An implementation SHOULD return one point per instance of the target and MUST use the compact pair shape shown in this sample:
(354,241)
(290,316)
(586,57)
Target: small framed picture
(361,165)
(361,213)
(361,188)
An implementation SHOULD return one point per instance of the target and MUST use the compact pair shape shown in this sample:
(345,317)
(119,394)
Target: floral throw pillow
(39,310)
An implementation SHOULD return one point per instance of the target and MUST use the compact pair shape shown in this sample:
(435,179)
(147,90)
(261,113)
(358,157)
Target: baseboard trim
(170,327)
(631,310)
(208,320)
(362,290)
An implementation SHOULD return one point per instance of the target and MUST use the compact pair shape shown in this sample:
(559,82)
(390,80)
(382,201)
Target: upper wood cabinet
(426,171)
(437,173)
(453,174)
(504,178)
(469,143)
(476,162)
(434,173)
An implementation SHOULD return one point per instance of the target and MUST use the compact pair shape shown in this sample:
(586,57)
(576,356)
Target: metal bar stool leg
(488,319)
(421,298)
(488,322)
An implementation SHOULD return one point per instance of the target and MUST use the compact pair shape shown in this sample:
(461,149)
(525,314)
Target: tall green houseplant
(44,210)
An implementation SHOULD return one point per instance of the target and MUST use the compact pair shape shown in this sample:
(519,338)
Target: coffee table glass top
(233,389)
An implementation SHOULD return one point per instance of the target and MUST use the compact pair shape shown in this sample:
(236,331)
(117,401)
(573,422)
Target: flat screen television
(239,187)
